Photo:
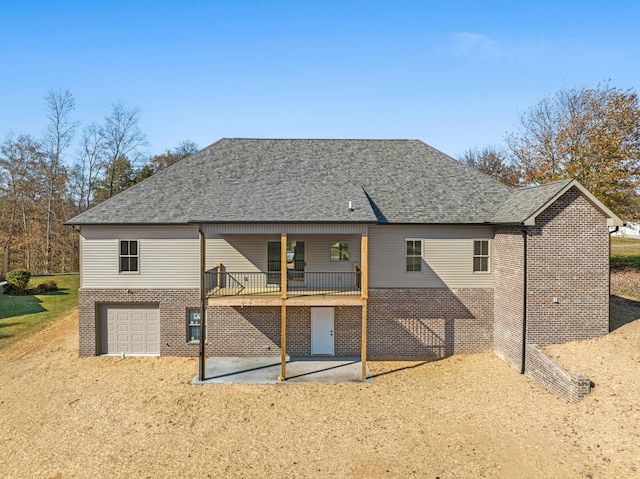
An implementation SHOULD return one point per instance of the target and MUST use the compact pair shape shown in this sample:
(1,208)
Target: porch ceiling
(354,300)
(289,228)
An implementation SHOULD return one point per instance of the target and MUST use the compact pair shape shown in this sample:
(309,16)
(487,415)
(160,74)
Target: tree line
(46,180)
(589,134)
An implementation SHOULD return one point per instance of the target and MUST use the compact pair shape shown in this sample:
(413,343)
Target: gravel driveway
(466,416)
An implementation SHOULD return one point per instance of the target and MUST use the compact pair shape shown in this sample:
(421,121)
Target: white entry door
(322,331)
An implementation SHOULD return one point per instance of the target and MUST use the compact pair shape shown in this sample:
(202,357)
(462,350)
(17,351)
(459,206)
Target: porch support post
(219,275)
(283,342)
(283,265)
(364,339)
(203,302)
(364,261)
(283,314)
(364,285)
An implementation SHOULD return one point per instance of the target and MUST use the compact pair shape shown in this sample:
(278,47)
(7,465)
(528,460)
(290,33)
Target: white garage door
(130,328)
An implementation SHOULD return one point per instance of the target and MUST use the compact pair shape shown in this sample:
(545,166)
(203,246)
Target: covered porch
(221,283)
(306,265)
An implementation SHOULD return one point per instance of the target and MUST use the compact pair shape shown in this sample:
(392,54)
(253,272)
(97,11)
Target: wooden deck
(296,296)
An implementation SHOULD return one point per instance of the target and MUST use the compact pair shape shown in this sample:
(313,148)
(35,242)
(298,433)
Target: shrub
(19,278)
(46,287)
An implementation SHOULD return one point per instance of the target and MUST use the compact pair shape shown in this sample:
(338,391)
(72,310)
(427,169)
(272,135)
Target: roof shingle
(524,202)
(262,180)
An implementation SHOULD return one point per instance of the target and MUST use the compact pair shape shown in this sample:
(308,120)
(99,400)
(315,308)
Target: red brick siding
(430,322)
(232,331)
(508,274)
(568,258)
(173,304)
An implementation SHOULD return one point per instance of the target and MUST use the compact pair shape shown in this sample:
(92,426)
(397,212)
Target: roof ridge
(544,185)
(319,139)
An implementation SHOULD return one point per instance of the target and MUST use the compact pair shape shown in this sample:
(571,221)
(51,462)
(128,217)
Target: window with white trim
(339,252)
(414,255)
(193,324)
(480,256)
(129,255)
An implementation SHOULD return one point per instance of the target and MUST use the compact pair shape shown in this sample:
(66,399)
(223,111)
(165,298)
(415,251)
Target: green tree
(121,176)
(166,159)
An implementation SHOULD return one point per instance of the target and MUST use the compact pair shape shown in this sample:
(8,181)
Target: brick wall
(567,289)
(173,305)
(255,331)
(554,378)
(248,331)
(232,331)
(508,274)
(568,259)
(430,322)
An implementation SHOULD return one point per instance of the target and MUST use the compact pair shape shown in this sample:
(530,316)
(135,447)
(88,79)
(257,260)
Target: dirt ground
(465,416)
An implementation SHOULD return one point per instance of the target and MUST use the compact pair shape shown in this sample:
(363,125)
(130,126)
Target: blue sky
(455,74)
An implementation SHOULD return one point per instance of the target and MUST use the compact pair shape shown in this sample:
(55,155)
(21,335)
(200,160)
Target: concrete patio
(265,370)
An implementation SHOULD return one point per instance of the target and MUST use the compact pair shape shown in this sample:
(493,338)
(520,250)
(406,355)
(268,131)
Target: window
(128,256)
(339,251)
(481,256)
(414,255)
(193,325)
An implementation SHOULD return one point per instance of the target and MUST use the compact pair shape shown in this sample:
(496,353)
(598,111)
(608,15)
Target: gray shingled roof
(252,180)
(524,202)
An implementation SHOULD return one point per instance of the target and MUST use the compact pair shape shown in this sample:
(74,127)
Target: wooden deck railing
(220,282)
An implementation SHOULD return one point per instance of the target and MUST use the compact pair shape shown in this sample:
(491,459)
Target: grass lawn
(625,253)
(21,316)
(618,240)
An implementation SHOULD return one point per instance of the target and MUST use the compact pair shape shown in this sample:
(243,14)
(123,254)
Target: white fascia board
(612,218)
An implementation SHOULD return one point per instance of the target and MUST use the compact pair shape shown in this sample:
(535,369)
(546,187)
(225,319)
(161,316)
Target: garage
(132,329)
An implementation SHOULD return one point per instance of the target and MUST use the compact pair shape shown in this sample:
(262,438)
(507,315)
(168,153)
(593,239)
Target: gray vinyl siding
(318,254)
(447,253)
(238,253)
(169,256)
(248,253)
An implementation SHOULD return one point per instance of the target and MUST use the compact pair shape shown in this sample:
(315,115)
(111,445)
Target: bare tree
(492,161)
(185,148)
(122,139)
(21,158)
(88,167)
(57,138)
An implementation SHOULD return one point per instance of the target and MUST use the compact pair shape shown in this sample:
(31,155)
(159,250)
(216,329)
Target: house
(629,230)
(372,248)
